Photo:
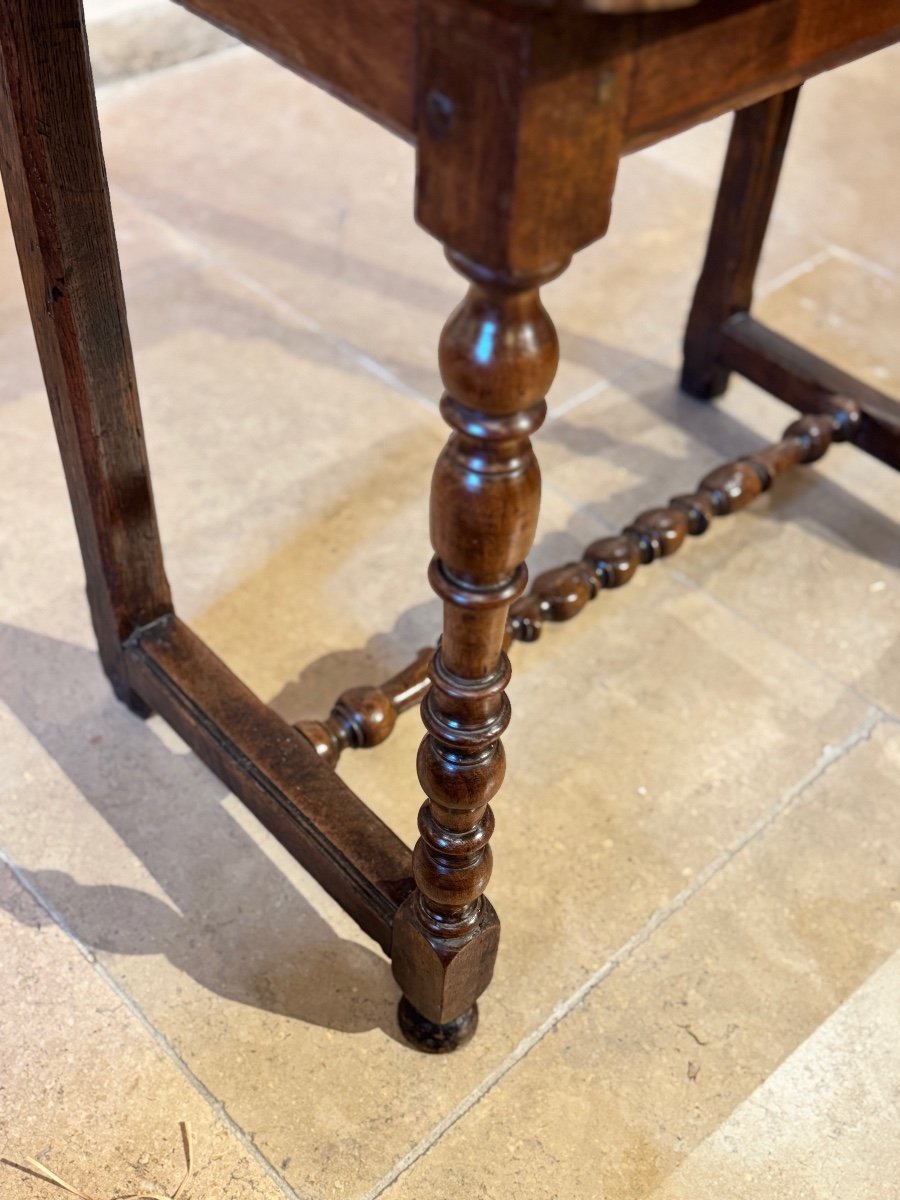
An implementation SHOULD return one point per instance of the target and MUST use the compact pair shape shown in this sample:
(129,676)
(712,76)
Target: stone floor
(132,36)
(699,878)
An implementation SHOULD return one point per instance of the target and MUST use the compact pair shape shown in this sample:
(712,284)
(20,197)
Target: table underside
(686,65)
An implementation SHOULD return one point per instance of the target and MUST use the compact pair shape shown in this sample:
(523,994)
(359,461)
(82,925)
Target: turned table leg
(749,179)
(498,356)
(515,172)
(56,189)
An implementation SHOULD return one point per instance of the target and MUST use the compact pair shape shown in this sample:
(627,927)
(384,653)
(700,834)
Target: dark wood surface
(750,176)
(562,592)
(721,334)
(361,50)
(276,772)
(55,183)
(810,384)
(368,54)
(363,717)
(521,112)
(519,135)
(498,355)
(726,54)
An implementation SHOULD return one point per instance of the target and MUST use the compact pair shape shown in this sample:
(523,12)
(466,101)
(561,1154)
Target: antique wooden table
(520,112)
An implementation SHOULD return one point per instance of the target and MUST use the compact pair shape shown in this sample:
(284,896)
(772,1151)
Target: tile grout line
(216,1106)
(210,258)
(367,362)
(844,254)
(588,393)
(620,379)
(829,756)
(615,379)
(805,267)
(686,580)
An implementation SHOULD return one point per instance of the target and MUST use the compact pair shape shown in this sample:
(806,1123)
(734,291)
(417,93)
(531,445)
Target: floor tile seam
(549,488)
(826,760)
(691,584)
(791,274)
(215,1105)
(766,289)
(274,301)
(845,254)
(572,402)
(654,357)
(368,362)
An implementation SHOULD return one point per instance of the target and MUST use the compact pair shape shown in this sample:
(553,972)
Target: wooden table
(519,112)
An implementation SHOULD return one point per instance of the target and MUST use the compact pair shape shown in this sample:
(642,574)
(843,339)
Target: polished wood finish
(363,717)
(610,562)
(362,52)
(676,68)
(498,356)
(809,383)
(749,179)
(721,335)
(55,182)
(727,54)
(275,772)
(520,111)
(518,136)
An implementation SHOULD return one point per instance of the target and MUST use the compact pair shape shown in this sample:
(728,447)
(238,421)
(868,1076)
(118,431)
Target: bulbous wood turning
(498,356)
(562,593)
(365,716)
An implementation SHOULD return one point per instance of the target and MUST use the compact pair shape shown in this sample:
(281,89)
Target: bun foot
(430,1038)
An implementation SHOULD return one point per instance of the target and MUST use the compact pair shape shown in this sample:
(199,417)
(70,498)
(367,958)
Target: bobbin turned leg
(749,179)
(516,165)
(59,207)
(498,356)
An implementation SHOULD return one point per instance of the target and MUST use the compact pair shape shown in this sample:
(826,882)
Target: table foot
(431,1038)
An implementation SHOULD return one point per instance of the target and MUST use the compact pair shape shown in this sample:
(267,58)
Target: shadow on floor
(804,496)
(227,916)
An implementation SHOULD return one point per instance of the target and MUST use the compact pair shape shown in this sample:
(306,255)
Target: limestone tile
(664,1049)
(131,38)
(816,562)
(830,542)
(846,311)
(625,299)
(838,177)
(824,1123)
(264,987)
(818,567)
(85,1088)
(332,233)
(244,408)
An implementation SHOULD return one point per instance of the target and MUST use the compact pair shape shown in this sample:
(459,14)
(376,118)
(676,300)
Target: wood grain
(276,773)
(810,384)
(696,64)
(750,176)
(55,181)
(362,52)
